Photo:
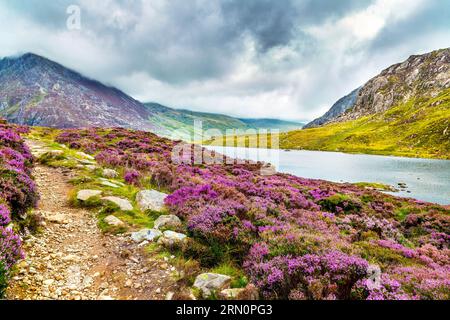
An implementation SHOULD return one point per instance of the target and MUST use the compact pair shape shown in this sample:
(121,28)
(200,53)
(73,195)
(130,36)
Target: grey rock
(123,204)
(85,156)
(167,221)
(146,234)
(208,283)
(113,221)
(171,238)
(110,173)
(109,184)
(150,200)
(84,195)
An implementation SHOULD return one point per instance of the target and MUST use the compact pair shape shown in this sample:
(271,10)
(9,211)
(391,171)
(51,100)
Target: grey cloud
(196,53)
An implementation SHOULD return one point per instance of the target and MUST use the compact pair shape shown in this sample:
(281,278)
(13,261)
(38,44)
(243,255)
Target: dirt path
(72,259)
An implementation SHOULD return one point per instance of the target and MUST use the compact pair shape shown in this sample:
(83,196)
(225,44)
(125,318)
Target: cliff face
(420,76)
(423,76)
(336,110)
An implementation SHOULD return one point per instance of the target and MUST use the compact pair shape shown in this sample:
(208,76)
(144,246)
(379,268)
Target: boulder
(208,283)
(113,221)
(170,238)
(150,200)
(84,195)
(110,173)
(123,204)
(146,234)
(167,221)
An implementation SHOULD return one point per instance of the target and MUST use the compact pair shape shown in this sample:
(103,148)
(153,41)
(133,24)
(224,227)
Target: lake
(426,179)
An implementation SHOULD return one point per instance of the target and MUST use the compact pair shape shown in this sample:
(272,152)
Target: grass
(417,128)
(376,185)
(238,279)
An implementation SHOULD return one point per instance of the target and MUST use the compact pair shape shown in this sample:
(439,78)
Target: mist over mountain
(37,91)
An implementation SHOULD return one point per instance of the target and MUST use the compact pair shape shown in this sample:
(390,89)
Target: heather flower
(132,177)
(5,215)
(10,248)
(288,233)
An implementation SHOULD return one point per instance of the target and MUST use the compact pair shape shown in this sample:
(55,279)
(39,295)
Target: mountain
(405,110)
(341,106)
(181,121)
(37,91)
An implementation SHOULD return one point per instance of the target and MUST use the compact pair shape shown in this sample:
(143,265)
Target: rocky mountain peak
(419,76)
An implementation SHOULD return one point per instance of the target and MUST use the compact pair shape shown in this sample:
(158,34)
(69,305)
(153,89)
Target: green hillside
(419,128)
(170,120)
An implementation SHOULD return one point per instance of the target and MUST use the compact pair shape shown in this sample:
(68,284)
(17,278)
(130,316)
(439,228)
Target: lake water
(426,179)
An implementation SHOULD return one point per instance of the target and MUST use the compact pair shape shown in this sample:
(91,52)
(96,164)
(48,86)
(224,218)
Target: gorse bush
(294,238)
(17,195)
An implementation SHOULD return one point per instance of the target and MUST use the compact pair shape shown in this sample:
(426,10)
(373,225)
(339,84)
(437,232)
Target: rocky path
(71,259)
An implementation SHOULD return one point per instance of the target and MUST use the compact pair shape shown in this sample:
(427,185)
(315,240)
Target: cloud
(288,58)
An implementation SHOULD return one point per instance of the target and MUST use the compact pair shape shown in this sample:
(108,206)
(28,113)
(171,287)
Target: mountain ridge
(404,111)
(35,90)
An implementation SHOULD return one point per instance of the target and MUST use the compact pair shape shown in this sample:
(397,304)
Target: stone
(84,155)
(146,234)
(208,283)
(110,173)
(55,153)
(167,221)
(109,184)
(123,204)
(268,170)
(48,282)
(84,195)
(113,221)
(171,238)
(91,167)
(58,218)
(232,294)
(150,200)
(250,292)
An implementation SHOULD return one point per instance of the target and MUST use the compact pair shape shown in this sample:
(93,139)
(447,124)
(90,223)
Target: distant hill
(182,121)
(37,91)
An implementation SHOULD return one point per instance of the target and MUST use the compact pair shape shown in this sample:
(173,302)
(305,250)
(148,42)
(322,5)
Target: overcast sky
(288,59)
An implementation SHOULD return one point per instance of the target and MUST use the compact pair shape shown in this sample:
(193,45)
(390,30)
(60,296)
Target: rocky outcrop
(336,110)
(420,76)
